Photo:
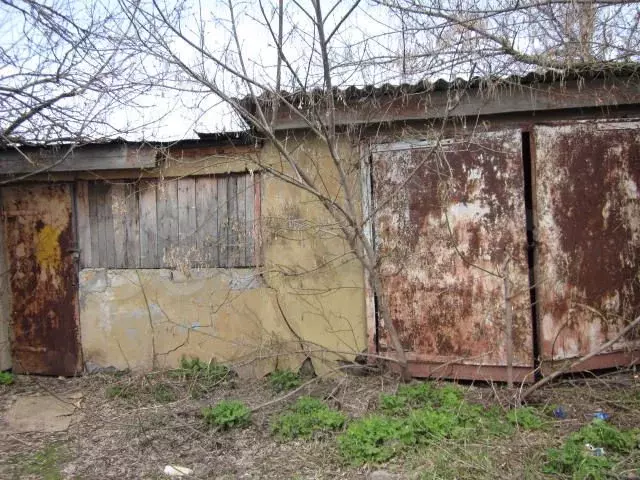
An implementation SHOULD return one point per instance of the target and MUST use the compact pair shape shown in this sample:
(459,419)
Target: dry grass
(126,429)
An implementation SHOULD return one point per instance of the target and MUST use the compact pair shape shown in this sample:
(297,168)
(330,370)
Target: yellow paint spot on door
(48,248)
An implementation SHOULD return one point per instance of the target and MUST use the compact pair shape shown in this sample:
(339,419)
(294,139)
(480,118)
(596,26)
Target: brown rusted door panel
(40,241)
(444,238)
(588,237)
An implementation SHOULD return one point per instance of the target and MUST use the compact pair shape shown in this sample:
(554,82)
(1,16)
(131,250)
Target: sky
(156,60)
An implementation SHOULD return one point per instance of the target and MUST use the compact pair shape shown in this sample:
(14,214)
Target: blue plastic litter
(601,416)
(559,412)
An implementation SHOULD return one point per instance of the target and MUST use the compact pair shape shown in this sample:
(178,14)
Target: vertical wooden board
(249,194)
(104,221)
(132,226)
(207,221)
(167,204)
(257,215)
(223,221)
(119,214)
(94,224)
(187,218)
(110,236)
(84,227)
(232,214)
(241,224)
(148,226)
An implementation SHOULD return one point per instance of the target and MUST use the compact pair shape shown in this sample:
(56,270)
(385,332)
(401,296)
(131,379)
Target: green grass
(374,439)
(284,380)
(119,391)
(163,393)
(45,464)
(527,418)
(575,460)
(419,415)
(203,377)
(227,414)
(307,417)
(6,378)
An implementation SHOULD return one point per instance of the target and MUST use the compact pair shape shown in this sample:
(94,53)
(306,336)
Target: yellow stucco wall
(309,287)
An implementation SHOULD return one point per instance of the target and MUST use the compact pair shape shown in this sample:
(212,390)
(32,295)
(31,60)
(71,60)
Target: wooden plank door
(450,225)
(40,248)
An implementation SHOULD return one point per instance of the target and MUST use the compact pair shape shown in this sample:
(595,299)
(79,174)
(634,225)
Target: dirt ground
(124,426)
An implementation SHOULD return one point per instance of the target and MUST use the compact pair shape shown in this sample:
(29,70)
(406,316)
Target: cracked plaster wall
(236,315)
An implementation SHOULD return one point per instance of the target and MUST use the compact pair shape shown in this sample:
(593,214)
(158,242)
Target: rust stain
(39,234)
(588,176)
(443,239)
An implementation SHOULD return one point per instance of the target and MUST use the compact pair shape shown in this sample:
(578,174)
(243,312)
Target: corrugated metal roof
(367,92)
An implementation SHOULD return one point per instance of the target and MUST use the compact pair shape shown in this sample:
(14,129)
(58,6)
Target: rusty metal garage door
(40,243)
(447,237)
(588,238)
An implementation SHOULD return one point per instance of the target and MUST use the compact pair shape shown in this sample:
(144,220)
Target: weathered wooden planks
(206,221)
(167,205)
(71,158)
(84,226)
(187,218)
(148,225)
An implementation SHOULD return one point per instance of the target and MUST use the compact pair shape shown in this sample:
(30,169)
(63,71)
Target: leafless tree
(64,72)
(503,37)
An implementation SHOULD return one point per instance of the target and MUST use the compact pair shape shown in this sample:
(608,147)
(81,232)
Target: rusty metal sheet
(588,236)
(40,243)
(444,238)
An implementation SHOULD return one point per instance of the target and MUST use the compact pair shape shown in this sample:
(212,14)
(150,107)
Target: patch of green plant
(575,459)
(426,425)
(162,393)
(419,414)
(283,380)
(374,439)
(378,438)
(306,417)
(196,368)
(420,395)
(393,404)
(119,391)
(45,463)
(6,378)
(527,418)
(492,421)
(203,377)
(227,414)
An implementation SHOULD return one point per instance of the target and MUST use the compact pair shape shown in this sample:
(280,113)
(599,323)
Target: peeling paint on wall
(587,177)
(444,237)
(299,302)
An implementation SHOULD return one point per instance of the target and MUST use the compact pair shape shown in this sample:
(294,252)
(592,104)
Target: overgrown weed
(417,415)
(307,417)
(227,414)
(284,380)
(202,377)
(7,378)
(580,455)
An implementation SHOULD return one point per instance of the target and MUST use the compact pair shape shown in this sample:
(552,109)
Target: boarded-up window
(172,223)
